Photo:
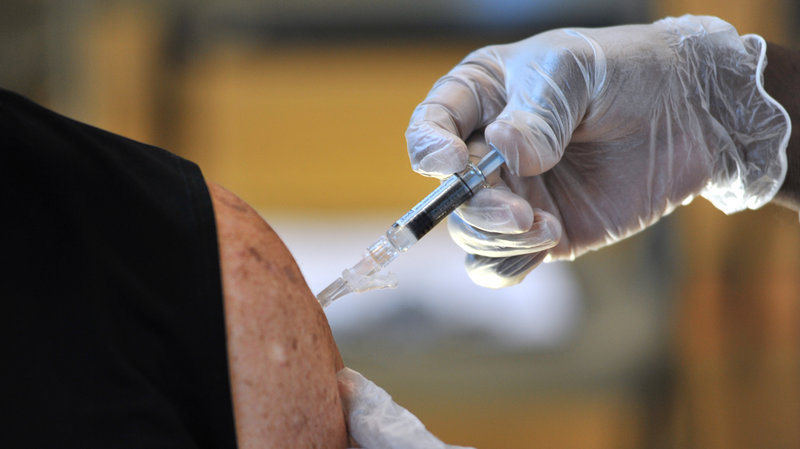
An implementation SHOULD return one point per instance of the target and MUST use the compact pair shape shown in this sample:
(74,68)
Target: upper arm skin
(282,357)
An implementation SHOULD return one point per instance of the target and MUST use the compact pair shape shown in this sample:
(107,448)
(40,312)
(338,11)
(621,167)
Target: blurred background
(685,336)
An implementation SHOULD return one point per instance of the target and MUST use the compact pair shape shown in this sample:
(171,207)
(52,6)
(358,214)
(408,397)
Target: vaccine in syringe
(412,226)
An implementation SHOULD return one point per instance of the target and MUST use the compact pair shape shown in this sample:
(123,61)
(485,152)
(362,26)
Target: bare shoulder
(282,357)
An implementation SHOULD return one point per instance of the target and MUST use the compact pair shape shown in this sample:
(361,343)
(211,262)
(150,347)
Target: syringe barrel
(435,207)
(453,192)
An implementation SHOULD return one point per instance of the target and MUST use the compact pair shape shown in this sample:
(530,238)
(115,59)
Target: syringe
(406,231)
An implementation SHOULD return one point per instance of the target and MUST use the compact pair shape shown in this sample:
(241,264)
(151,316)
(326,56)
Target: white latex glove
(377,422)
(604,131)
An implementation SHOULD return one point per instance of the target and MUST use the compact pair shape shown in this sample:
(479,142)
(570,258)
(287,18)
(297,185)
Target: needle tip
(337,289)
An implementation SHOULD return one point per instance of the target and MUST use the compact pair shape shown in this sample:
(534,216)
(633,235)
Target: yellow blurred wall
(318,128)
(291,126)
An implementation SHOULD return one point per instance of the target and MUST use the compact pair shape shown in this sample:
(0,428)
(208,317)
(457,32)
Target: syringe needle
(332,292)
(411,227)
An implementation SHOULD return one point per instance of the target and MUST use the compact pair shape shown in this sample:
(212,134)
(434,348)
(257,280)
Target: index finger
(470,96)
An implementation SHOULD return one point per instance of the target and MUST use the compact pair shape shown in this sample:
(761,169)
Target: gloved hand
(376,422)
(604,131)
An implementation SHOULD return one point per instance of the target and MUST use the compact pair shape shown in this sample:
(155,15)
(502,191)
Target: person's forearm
(781,82)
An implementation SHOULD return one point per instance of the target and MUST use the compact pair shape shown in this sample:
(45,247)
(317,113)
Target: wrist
(758,126)
(747,131)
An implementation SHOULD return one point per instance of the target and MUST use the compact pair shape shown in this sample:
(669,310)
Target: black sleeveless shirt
(112,332)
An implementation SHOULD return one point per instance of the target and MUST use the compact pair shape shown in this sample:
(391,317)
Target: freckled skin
(282,357)
(255,254)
